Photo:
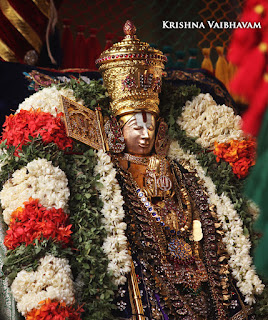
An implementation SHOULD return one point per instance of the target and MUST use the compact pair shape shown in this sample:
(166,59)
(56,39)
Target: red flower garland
(19,127)
(54,310)
(240,155)
(35,221)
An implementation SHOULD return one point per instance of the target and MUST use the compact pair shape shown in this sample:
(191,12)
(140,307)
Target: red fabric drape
(93,49)
(32,15)
(67,45)
(80,56)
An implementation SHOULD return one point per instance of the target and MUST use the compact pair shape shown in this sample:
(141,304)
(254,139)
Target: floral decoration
(25,125)
(38,180)
(54,310)
(240,154)
(47,100)
(203,119)
(115,245)
(52,280)
(34,202)
(41,189)
(34,221)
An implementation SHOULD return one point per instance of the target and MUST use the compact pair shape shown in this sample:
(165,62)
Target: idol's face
(139,133)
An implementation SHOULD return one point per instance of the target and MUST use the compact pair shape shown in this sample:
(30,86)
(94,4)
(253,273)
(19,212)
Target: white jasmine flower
(115,245)
(47,100)
(202,118)
(51,280)
(39,180)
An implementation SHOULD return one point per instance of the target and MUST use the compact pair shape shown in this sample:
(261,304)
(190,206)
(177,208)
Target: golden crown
(132,74)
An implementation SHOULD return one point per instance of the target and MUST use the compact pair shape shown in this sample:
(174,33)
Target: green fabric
(256,189)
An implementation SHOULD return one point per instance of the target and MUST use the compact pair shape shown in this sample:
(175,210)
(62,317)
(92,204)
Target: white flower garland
(39,180)
(115,245)
(202,118)
(47,100)
(237,244)
(51,280)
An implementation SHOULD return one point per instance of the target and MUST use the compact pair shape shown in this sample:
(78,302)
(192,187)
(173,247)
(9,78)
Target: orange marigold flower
(240,154)
(54,310)
(34,222)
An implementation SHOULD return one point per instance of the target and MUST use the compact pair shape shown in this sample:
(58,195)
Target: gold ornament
(84,124)
(132,74)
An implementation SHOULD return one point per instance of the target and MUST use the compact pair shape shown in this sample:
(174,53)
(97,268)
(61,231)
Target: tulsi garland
(93,283)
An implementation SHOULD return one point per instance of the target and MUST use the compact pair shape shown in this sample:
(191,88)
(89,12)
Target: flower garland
(35,222)
(41,192)
(240,154)
(26,125)
(54,310)
(203,119)
(47,100)
(115,245)
(38,180)
(237,244)
(52,280)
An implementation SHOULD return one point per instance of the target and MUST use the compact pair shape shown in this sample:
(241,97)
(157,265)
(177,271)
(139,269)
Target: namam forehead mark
(138,120)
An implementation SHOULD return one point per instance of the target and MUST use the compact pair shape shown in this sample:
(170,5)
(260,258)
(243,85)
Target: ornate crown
(132,74)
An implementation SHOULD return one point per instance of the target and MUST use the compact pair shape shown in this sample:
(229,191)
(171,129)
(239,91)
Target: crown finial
(129,28)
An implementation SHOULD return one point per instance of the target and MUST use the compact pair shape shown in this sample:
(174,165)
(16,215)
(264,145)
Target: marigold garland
(55,310)
(20,127)
(240,155)
(34,221)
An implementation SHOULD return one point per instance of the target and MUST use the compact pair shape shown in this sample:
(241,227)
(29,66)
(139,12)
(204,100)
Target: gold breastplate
(152,174)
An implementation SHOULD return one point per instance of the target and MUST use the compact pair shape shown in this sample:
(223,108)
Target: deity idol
(133,225)
(179,270)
